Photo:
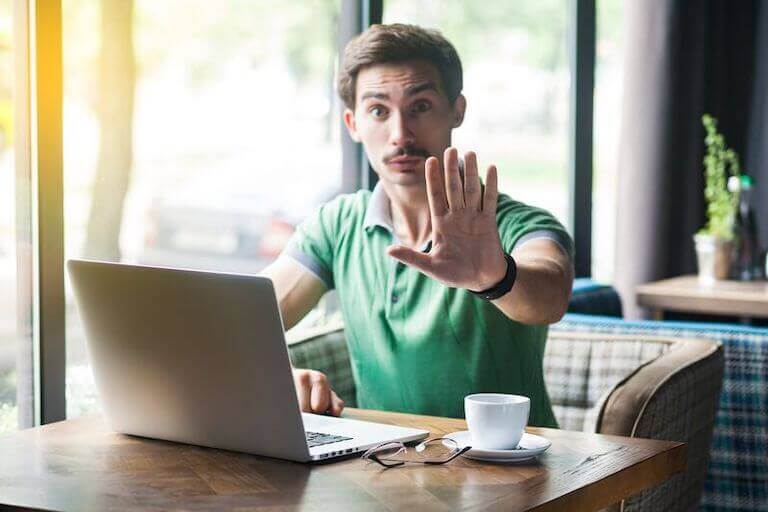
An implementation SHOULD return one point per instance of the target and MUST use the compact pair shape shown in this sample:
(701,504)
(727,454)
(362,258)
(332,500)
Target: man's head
(401,85)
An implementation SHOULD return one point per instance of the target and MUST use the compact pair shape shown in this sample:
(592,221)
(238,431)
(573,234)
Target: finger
(321,394)
(303,387)
(415,259)
(438,204)
(491,196)
(453,188)
(337,404)
(471,182)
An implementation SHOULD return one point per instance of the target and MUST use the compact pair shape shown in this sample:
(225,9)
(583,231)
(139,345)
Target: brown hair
(382,44)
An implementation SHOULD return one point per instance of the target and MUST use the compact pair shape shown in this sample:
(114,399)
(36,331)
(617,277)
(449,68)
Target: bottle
(745,228)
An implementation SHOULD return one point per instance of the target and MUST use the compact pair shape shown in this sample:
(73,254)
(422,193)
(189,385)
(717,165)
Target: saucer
(530,446)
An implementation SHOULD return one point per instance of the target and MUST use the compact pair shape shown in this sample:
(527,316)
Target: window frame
(581,49)
(356,16)
(46,152)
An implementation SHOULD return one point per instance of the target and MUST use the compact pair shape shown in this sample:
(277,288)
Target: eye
(421,106)
(378,111)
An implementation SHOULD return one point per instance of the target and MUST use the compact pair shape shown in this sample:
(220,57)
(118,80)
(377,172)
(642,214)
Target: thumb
(416,259)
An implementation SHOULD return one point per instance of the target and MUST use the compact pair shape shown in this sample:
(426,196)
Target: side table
(745,299)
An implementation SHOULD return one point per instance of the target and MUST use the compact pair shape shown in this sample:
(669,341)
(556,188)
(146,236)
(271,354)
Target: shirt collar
(378,212)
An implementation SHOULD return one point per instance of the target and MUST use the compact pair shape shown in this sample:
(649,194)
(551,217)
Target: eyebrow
(416,89)
(373,94)
(409,91)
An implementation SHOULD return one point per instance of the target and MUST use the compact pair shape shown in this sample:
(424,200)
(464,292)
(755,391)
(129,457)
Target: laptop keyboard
(319,439)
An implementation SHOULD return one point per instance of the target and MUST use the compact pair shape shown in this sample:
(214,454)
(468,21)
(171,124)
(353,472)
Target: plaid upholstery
(591,298)
(737,478)
(581,370)
(684,408)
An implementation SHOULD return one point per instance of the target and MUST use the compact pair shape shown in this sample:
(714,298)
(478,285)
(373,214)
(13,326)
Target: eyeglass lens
(432,450)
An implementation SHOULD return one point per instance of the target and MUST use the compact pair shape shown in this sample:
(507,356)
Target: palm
(466,250)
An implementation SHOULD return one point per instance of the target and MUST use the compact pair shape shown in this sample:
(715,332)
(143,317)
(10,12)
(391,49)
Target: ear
(459,107)
(349,122)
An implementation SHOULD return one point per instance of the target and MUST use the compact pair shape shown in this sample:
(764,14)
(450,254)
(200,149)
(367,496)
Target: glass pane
(16,371)
(609,75)
(516,81)
(196,134)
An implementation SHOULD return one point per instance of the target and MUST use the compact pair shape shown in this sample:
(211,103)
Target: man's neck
(409,210)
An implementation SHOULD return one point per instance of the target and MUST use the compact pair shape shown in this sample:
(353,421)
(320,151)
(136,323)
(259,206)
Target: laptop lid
(190,356)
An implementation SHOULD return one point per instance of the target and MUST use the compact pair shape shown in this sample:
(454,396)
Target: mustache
(406,151)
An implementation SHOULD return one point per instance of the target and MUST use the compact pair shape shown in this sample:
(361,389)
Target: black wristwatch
(502,287)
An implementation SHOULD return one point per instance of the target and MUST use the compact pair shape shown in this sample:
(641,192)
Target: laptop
(200,358)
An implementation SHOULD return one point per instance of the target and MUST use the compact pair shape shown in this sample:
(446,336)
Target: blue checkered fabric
(592,298)
(737,479)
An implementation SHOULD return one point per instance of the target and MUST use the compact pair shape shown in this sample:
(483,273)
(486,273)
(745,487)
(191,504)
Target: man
(408,258)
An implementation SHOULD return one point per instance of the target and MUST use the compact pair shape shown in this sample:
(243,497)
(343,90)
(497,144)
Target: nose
(400,133)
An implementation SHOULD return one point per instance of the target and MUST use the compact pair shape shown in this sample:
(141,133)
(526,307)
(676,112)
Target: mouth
(405,162)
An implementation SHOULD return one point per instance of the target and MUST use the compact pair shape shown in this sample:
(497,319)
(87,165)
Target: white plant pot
(714,257)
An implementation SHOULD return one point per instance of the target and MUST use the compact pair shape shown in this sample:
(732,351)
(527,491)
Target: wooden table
(744,299)
(80,465)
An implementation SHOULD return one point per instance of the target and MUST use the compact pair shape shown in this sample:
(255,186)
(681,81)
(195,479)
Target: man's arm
(467,251)
(543,285)
(298,290)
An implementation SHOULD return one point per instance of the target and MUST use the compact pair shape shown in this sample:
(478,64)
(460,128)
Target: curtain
(683,58)
(757,141)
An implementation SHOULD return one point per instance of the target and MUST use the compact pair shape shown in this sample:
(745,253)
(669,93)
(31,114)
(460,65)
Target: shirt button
(395,298)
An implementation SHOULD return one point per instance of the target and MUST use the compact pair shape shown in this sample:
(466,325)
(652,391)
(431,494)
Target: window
(609,74)
(16,370)
(196,134)
(516,80)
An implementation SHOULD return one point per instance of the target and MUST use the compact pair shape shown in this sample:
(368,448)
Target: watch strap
(502,287)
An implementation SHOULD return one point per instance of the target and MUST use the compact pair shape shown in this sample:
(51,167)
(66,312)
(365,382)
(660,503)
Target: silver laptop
(200,358)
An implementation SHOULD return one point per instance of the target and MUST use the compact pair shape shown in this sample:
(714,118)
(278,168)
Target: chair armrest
(627,403)
(674,397)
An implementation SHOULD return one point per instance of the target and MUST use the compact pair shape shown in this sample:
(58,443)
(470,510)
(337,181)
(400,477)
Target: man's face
(402,116)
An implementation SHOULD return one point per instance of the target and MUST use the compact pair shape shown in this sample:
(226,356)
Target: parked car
(234,229)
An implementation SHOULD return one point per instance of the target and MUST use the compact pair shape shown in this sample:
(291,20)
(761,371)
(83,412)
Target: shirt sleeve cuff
(558,237)
(311,264)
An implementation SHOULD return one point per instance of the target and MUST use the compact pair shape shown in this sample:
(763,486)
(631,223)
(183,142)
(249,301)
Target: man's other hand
(315,393)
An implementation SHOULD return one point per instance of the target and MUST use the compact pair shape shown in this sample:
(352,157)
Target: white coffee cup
(496,420)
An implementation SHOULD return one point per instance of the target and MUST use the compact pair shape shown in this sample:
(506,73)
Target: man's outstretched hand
(315,393)
(466,249)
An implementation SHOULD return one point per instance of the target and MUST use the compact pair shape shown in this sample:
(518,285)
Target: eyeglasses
(431,451)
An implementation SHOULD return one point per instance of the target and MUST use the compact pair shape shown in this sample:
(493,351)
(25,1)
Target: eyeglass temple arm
(385,464)
(456,454)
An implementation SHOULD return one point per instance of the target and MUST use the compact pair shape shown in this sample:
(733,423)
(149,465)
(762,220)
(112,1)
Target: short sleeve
(519,222)
(316,239)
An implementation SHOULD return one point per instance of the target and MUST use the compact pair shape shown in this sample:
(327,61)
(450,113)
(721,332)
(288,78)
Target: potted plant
(714,242)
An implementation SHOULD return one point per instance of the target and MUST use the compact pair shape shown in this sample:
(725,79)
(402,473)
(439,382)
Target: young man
(409,258)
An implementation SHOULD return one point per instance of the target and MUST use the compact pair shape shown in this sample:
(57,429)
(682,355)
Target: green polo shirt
(417,345)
